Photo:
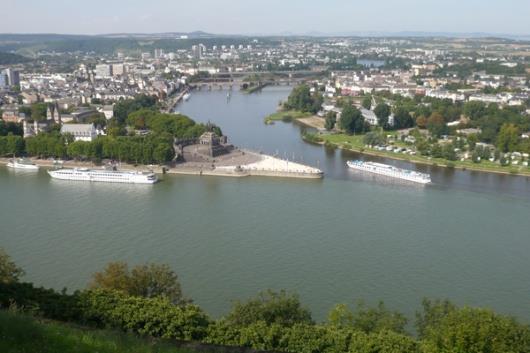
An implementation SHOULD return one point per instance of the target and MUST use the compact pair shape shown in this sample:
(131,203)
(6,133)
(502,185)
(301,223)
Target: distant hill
(110,43)
(11,59)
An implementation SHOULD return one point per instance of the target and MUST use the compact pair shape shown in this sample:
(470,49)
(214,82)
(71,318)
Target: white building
(118,69)
(103,70)
(80,132)
(369,116)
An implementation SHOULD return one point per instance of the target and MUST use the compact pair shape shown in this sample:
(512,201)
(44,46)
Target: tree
(10,127)
(402,118)
(378,319)
(367,102)
(433,312)
(475,331)
(15,145)
(331,119)
(508,138)
(436,125)
(474,110)
(382,111)
(340,316)
(421,122)
(163,153)
(271,308)
(124,107)
(373,138)
(449,152)
(38,111)
(9,271)
(352,120)
(148,280)
(301,99)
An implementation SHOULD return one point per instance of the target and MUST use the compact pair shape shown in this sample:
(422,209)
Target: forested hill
(109,44)
(10,59)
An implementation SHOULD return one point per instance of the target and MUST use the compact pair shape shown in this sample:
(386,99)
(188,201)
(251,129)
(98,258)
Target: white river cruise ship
(109,176)
(390,171)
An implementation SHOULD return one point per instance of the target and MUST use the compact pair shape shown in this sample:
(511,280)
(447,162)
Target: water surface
(334,240)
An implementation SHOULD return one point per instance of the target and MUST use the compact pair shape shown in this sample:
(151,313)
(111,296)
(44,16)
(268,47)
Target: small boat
(186,97)
(22,163)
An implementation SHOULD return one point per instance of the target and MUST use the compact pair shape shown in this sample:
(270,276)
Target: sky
(265,16)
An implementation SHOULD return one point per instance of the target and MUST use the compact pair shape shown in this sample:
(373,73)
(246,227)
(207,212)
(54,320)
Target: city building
(13,77)
(118,69)
(4,80)
(103,71)
(80,132)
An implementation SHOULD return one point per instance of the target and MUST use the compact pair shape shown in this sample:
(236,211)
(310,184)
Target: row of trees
(303,100)
(500,126)
(148,300)
(121,142)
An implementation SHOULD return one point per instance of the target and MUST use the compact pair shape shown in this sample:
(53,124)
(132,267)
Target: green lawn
(355,143)
(24,334)
(287,115)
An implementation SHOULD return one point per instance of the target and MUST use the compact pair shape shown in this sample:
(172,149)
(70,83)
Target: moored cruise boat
(390,171)
(109,176)
(22,163)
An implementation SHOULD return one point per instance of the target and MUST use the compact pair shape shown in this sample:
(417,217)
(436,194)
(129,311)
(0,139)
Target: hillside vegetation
(10,59)
(147,300)
(22,333)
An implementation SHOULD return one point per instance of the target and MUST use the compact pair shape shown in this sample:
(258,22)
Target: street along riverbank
(355,144)
(237,163)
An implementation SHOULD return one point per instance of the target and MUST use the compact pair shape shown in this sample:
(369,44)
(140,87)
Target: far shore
(434,162)
(317,123)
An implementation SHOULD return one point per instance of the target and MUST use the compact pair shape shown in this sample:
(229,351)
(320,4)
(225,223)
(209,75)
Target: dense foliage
(24,333)
(10,128)
(278,322)
(154,145)
(123,108)
(269,307)
(11,145)
(10,59)
(148,281)
(352,121)
(9,271)
(302,99)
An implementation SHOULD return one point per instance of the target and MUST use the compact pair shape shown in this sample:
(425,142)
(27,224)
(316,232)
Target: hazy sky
(265,16)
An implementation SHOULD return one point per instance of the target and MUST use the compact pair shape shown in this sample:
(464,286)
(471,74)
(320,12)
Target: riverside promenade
(243,163)
(238,163)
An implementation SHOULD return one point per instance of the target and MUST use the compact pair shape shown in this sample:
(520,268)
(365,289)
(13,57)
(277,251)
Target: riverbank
(256,88)
(355,144)
(286,116)
(237,163)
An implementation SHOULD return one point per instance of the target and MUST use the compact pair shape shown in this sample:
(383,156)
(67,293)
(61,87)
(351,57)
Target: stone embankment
(235,164)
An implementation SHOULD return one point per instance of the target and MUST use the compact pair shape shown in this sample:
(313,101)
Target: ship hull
(389,173)
(22,166)
(113,177)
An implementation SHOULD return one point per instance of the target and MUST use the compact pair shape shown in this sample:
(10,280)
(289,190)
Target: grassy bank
(356,144)
(286,115)
(20,333)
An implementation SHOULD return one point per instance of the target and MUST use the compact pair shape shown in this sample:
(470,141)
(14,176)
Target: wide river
(343,238)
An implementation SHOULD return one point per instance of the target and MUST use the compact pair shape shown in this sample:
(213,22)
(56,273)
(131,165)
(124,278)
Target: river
(339,239)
